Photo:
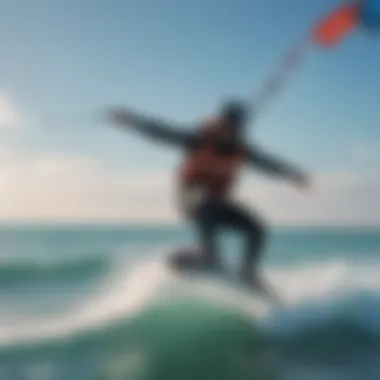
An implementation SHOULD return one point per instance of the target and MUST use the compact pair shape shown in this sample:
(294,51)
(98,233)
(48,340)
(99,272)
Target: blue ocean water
(72,298)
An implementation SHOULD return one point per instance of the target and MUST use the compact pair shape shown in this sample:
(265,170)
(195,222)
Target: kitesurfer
(214,153)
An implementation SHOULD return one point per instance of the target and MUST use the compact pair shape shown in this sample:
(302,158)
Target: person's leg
(254,231)
(206,220)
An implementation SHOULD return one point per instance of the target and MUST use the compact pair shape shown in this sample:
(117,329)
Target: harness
(208,170)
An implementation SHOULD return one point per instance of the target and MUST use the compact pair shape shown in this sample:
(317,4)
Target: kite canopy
(337,25)
(345,19)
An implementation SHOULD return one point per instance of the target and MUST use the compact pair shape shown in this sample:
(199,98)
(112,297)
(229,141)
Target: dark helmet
(235,113)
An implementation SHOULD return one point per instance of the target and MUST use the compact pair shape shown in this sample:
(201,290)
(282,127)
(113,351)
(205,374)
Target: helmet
(235,113)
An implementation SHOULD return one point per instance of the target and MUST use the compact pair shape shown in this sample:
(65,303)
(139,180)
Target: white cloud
(10,116)
(53,187)
(335,199)
(366,151)
(59,187)
(78,188)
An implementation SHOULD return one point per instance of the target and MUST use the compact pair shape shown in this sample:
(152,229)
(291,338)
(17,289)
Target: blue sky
(63,60)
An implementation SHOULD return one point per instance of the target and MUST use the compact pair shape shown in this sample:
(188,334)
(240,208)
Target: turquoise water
(96,302)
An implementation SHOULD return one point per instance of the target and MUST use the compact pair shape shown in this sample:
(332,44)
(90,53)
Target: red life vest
(207,169)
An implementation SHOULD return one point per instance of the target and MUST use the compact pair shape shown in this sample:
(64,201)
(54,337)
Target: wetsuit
(214,212)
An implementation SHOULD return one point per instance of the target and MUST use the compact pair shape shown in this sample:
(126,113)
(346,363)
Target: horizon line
(167,224)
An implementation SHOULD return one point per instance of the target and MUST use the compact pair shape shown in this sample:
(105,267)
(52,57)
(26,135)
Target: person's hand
(122,116)
(301,180)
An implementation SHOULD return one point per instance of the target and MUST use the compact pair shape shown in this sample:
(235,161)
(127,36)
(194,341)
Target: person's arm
(276,166)
(151,128)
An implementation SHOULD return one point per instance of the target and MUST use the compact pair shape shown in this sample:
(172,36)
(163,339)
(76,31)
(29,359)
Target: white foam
(323,293)
(127,294)
(312,281)
(134,288)
(305,283)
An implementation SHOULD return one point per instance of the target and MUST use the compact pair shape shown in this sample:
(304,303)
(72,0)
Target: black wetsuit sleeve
(155,129)
(271,164)
(167,133)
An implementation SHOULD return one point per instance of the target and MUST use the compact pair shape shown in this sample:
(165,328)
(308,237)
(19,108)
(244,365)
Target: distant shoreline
(166,226)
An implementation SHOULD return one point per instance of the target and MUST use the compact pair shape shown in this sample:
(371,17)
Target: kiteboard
(190,261)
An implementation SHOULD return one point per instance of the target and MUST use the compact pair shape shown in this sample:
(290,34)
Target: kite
(338,24)
(329,32)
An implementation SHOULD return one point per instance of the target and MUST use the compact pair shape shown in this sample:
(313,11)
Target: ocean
(98,303)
